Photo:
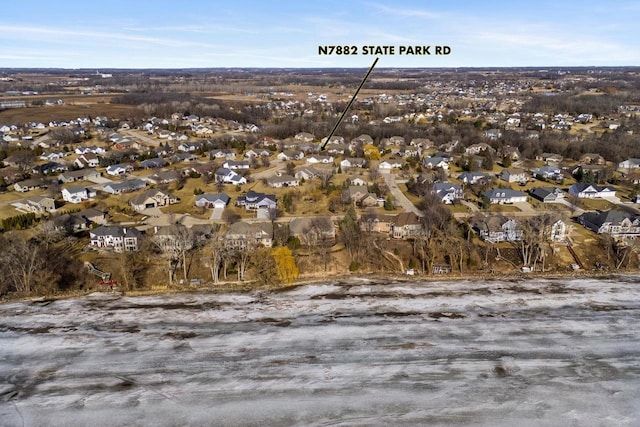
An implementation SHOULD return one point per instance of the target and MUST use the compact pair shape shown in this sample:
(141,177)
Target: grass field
(74,107)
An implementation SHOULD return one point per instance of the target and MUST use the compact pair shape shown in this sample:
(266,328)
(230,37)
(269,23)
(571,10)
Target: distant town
(175,179)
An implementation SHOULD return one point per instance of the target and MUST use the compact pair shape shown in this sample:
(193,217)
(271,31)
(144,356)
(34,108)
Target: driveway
(216,214)
(398,195)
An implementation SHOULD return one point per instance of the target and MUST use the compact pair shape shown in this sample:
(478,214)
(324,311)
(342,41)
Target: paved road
(400,198)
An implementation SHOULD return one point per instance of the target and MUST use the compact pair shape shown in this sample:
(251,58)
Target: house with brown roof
(152,198)
(405,225)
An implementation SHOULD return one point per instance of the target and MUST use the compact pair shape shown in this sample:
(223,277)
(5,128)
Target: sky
(287,34)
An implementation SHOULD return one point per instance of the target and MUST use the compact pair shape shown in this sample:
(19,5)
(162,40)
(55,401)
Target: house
(92,215)
(584,190)
(447,192)
(156,162)
(405,225)
(387,165)
(306,172)
(53,156)
(473,177)
(313,159)
(77,194)
(242,235)
(548,172)
(29,185)
(116,238)
(79,175)
(504,196)
(479,148)
(87,160)
(511,152)
(152,198)
(313,230)
(251,153)
(183,157)
(289,155)
(377,223)
(125,144)
(496,229)
(354,193)
(629,165)
(190,147)
(355,180)
(222,154)
(119,169)
(547,194)
(164,177)
(592,159)
(304,137)
(254,200)
(514,175)
(282,180)
(124,186)
(227,176)
(236,164)
(435,162)
(49,168)
(36,204)
(90,150)
(492,134)
(550,158)
(559,231)
(353,162)
(338,149)
(614,222)
(410,151)
(212,201)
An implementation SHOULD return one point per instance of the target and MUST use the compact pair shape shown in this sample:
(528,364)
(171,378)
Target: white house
(212,201)
(254,200)
(504,195)
(390,164)
(590,191)
(77,194)
(282,180)
(514,175)
(227,176)
(448,192)
(119,169)
(115,238)
(435,162)
(319,159)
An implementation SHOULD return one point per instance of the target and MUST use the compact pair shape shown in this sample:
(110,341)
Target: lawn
(595,204)
(503,208)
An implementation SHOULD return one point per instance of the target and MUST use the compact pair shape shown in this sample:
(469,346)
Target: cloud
(404,12)
(19,32)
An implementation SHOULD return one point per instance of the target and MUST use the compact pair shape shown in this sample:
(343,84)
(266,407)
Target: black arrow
(349,104)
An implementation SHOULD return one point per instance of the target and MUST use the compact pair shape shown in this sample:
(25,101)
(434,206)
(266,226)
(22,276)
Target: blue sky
(163,34)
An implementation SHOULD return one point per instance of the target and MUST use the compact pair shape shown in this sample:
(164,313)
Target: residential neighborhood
(494,173)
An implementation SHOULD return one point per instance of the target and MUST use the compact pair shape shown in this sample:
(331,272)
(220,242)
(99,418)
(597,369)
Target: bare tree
(350,234)
(22,262)
(217,250)
(318,235)
(242,256)
(325,176)
(184,243)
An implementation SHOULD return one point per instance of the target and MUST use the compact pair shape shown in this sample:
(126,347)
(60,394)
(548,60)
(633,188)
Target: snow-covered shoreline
(361,351)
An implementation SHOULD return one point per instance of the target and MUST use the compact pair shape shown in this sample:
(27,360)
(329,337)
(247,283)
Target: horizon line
(482,67)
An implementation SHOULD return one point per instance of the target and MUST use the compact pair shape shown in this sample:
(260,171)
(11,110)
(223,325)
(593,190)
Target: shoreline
(245,287)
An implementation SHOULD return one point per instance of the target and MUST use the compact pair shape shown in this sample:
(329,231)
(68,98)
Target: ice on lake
(526,353)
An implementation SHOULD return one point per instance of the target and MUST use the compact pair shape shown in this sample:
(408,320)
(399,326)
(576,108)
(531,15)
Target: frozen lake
(534,353)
